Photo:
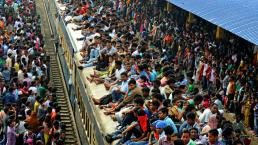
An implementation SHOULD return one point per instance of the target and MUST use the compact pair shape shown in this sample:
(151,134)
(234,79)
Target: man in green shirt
(42,90)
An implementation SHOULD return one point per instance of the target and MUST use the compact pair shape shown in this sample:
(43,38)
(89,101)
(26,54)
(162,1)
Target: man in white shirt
(20,74)
(204,117)
(33,88)
(109,82)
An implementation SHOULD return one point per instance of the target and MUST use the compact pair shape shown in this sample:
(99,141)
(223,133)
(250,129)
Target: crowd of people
(30,114)
(170,81)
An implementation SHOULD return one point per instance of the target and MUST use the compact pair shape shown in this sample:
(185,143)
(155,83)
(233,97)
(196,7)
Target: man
(194,135)
(189,123)
(9,61)
(239,125)
(109,49)
(133,91)
(186,138)
(140,129)
(88,35)
(111,81)
(6,74)
(163,115)
(169,137)
(9,97)
(213,138)
(117,92)
(91,55)
(204,117)
(160,125)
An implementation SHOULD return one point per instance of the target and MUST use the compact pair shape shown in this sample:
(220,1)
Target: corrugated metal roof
(237,16)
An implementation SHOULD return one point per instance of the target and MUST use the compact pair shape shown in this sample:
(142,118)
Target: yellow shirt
(110,68)
(16,66)
(36,106)
(9,62)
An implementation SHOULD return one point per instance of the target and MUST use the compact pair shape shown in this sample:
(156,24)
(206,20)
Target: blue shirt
(219,143)
(6,75)
(5,47)
(8,98)
(153,75)
(144,73)
(124,86)
(170,122)
(256,110)
(187,126)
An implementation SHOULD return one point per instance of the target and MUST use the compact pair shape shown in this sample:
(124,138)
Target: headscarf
(212,124)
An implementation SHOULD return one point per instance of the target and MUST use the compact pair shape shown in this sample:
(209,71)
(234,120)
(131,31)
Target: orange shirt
(53,115)
(168,39)
(2,24)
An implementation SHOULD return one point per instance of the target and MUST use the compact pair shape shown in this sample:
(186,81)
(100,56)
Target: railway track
(56,77)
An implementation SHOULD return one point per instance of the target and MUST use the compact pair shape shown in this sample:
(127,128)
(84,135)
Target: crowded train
(160,78)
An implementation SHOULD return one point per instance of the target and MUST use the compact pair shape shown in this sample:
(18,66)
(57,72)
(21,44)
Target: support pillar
(169,6)
(219,33)
(190,18)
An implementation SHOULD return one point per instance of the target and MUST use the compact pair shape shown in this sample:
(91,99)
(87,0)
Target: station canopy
(237,16)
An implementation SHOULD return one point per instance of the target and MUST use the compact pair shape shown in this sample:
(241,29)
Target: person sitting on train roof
(93,56)
(140,129)
(109,49)
(93,37)
(87,34)
(99,75)
(123,116)
(77,14)
(133,90)
(115,78)
(117,92)
(175,55)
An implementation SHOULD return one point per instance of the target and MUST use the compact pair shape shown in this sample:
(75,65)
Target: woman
(47,124)
(33,121)
(11,134)
(246,111)
(212,124)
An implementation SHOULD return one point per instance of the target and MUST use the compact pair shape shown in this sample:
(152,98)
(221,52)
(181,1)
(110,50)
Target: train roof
(106,124)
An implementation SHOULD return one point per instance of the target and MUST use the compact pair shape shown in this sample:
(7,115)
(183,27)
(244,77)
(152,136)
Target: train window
(71,62)
(86,117)
(90,129)
(59,31)
(92,135)
(83,113)
(74,74)
(87,125)
(93,138)
(80,98)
